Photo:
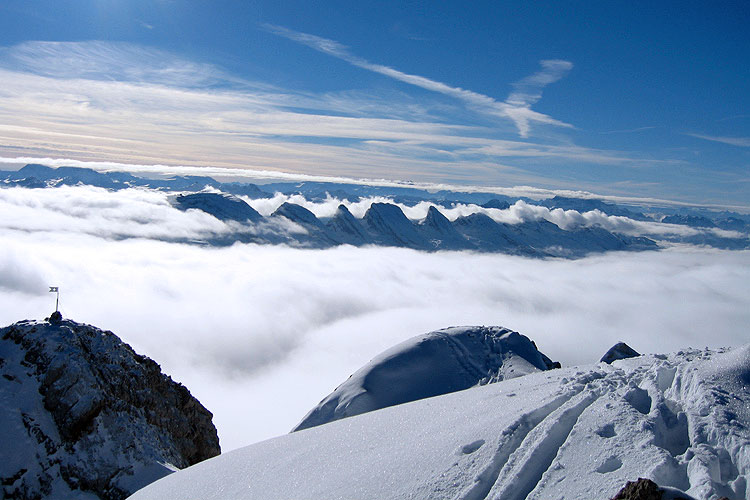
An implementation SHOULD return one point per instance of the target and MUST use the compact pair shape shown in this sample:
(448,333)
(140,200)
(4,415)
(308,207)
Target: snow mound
(428,365)
(681,420)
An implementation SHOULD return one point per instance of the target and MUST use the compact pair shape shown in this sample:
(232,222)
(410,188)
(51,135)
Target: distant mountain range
(384,223)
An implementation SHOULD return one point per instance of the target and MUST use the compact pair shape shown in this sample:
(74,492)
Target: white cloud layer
(143,213)
(261,333)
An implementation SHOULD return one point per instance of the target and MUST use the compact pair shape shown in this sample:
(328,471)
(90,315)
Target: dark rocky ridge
(83,412)
(385,224)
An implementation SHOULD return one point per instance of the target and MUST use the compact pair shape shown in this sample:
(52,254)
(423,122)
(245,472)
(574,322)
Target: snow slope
(682,420)
(435,363)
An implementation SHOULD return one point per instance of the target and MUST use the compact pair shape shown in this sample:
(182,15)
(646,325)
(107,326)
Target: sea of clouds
(261,333)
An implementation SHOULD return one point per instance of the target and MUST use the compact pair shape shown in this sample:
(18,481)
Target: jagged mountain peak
(436,219)
(84,413)
(389,226)
(346,228)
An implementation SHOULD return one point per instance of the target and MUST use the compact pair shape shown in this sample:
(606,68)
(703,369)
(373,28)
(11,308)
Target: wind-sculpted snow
(428,365)
(682,420)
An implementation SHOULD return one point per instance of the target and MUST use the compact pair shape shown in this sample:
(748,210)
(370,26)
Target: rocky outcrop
(620,350)
(643,489)
(82,414)
(646,489)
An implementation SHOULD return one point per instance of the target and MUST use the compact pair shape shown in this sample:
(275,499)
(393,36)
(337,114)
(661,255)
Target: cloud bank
(261,333)
(143,213)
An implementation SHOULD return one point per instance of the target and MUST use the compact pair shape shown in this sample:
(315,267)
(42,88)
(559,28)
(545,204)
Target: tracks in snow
(529,446)
(666,400)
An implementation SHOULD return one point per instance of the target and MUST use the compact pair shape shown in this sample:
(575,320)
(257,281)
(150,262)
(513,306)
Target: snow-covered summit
(682,420)
(428,365)
(83,416)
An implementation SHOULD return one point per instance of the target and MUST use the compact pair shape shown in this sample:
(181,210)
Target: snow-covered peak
(389,226)
(428,365)
(346,228)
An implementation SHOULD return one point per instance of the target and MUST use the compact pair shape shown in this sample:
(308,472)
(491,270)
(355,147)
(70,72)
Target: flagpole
(56,289)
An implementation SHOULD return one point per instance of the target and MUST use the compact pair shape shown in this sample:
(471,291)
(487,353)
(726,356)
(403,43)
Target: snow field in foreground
(582,432)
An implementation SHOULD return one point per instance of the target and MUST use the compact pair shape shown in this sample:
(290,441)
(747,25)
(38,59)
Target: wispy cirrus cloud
(742,142)
(122,103)
(108,61)
(517,107)
(116,103)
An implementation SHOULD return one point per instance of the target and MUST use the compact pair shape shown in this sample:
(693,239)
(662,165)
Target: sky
(637,99)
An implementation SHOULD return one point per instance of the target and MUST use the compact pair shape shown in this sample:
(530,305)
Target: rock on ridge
(435,363)
(620,350)
(85,416)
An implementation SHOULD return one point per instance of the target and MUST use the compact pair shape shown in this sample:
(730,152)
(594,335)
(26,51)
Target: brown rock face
(93,413)
(643,489)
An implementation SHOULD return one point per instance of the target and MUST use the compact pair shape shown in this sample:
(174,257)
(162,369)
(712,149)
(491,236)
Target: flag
(53,289)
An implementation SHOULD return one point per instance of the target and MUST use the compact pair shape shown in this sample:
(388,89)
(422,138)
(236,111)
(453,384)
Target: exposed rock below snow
(428,365)
(681,420)
(646,489)
(643,489)
(83,416)
(620,350)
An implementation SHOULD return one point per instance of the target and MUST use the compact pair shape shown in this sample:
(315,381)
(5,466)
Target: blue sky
(635,99)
